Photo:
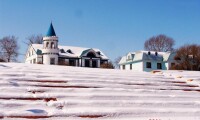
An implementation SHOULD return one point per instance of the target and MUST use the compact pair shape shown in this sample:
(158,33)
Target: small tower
(50,49)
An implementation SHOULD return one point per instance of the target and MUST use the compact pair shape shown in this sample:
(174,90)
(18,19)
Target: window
(52,61)
(72,63)
(47,44)
(34,61)
(130,66)
(91,55)
(123,67)
(148,65)
(62,50)
(52,45)
(99,53)
(69,51)
(159,66)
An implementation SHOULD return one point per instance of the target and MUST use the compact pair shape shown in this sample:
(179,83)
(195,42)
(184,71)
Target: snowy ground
(74,93)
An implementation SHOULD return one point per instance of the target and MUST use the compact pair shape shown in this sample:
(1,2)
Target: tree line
(187,56)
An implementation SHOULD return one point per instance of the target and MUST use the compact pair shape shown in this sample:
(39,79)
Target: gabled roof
(75,51)
(51,31)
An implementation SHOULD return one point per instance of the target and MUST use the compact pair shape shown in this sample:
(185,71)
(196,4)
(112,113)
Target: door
(52,61)
(94,63)
(87,63)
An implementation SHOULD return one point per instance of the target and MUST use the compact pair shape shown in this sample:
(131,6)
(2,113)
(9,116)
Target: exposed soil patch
(46,81)
(52,86)
(91,116)
(156,71)
(187,85)
(142,84)
(29,117)
(179,82)
(31,99)
(191,90)
(34,91)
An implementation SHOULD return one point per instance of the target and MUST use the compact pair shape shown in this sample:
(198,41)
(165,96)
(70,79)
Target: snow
(62,92)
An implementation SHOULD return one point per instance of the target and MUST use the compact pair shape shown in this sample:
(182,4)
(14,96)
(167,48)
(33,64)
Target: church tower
(50,49)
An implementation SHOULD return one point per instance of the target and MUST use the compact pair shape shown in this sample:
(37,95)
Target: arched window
(47,44)
(91,54)
(52,45)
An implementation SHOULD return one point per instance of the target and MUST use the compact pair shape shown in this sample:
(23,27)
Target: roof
(145,55)
(51,31)
(71,51)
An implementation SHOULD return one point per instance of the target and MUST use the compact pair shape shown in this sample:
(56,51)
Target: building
(50,53)
(147,61)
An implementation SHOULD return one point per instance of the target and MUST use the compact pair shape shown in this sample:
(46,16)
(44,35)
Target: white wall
(46,58)
(135,66)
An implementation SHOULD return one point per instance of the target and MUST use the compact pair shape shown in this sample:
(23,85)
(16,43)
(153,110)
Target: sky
(114,26)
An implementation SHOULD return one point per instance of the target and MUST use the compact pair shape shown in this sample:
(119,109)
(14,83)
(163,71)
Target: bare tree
(9,48)
(35,39)
(116,62)
(188,58)
(160,43)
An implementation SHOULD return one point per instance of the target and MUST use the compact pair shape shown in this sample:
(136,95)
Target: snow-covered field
(74,93)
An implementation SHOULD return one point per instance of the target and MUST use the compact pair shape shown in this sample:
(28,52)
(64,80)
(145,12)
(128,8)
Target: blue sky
(114,26)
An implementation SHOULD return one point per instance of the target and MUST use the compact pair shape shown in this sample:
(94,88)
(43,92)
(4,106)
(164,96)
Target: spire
(51,31)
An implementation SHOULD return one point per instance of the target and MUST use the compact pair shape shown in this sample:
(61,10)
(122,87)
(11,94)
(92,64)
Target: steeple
(51,31)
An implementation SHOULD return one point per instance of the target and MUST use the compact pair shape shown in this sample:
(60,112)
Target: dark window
(159,66)
(99,53)
(87,63)
(90,54)
(124,67)
(69,51)
(94,63)
(149,53)
(156,53)
(72,62)
(148,65)
(62,50)
(130,66)
(52,61)
(52,45)
(34,61)
(47,45)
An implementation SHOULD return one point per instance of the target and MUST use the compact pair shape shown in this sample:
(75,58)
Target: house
(50,53)
(147,61)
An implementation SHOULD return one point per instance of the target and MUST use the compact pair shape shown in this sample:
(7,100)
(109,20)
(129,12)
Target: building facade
(147,61)
(50,53)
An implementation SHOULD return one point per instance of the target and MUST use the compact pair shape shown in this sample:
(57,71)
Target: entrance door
(52,61)
(87,63)
(94,63)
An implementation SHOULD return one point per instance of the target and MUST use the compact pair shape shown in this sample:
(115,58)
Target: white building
(51,53)
(147,61)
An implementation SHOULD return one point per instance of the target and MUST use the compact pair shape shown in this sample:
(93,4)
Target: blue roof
(51,31)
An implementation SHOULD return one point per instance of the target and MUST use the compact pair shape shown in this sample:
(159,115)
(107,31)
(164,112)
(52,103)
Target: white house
(51,53)
(147,61)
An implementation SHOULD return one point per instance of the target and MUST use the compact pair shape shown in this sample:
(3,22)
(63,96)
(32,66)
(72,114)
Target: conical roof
(51,31)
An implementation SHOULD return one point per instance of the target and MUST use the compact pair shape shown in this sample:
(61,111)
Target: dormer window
(99,53)
(156,53)
(129,57)
(69,51)
(62,50)
(149,53)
